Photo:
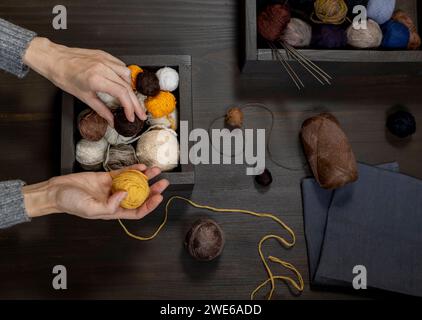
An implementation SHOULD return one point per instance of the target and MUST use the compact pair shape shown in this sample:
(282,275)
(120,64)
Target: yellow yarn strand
(271,277)
(329,11)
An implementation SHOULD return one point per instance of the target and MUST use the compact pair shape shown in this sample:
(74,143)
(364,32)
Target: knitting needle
(315,67)
(293,75)
(304,65)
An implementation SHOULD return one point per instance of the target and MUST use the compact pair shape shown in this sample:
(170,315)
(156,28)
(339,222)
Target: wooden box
(259,58)
(182,177)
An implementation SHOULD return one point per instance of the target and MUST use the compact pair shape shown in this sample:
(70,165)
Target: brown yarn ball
(273,20)
(91,126)
(147,83)
(120,156)
(124,127)
(234,117)
(205,240)
(404,18)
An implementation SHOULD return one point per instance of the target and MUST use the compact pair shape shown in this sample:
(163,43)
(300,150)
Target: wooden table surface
(101,261)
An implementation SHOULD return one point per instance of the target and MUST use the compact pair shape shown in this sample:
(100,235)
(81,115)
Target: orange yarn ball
(161,105)
(134,72)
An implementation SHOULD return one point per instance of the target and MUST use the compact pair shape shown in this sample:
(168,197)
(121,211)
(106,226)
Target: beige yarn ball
(298,33)
(120,156)
(159,148)
(371,37)
(170,121)
(114,138)
(91,154)
(108,100)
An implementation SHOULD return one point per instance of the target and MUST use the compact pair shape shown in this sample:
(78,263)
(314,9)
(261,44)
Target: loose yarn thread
(283,242)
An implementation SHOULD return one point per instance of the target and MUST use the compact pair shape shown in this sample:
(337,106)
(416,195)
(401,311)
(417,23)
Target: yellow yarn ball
(330,11)
(135,183)
(161,105)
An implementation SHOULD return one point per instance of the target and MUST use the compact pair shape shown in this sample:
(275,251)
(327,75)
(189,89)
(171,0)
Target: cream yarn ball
(168,79)
(371,37)
(158,148)
(108,100)
(113,138)
(91,154)
(298,33)
(170,121)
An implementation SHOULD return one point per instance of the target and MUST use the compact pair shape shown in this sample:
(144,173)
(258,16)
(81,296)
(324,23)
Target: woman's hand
(88,195)
(83,73)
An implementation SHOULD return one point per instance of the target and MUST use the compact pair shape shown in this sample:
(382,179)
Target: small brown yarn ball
(124,127)
(120,156)
(273,20)
(148,83)
(91,126)
(234,117)
(205,240)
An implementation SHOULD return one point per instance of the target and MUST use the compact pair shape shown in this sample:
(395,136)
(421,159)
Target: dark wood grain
(101,261)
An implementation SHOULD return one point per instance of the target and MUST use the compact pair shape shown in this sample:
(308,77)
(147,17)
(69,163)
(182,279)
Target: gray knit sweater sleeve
(13,42)
(12,205)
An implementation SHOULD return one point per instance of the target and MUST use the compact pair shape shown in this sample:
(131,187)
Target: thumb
(113,203)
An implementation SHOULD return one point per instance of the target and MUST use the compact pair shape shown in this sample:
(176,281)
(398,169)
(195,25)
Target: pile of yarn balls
(327,24)
(153,142)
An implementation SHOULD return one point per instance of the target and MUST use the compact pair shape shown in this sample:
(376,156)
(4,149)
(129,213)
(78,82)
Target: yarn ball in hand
(395,35)
(381,10)
(135,183)
(264,179)
(147,83)
(91,154)
(205,240)
(108,100)
(124,127)
(168,79)
(401,124)
(114,138)
(298,33)
(234,117)
(161,105)
(328,36)
(415,39)
(169,121)
(91,126)
(371,37)
(330,11)
(272,21)
(119,157)
(134,73)
(158,148)
(328,151)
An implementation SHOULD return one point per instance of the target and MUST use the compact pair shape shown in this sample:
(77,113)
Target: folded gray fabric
(375,222)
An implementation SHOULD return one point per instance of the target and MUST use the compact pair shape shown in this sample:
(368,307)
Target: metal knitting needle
(304,65)
(315,67)
(293,75)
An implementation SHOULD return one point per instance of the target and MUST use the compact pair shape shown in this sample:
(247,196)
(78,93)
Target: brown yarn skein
(234,117)
(273,20)
(124,127)
(205,240)
(328,151)
(148,83)
(119,157)
(91,126)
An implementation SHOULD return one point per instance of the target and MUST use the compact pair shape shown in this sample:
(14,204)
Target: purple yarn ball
(327,36)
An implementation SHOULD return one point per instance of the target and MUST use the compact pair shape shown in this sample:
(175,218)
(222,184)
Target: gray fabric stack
(375,222)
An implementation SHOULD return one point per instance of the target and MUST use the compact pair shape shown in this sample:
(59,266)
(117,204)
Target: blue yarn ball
(328,36)
(395,35)
(381,10)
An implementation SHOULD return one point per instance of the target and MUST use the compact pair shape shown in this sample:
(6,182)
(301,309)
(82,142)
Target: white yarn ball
(158,148)
(91,154)
(112,137)
(169,79)
(170,121)
(371,37)
(297,33)
(108,100)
